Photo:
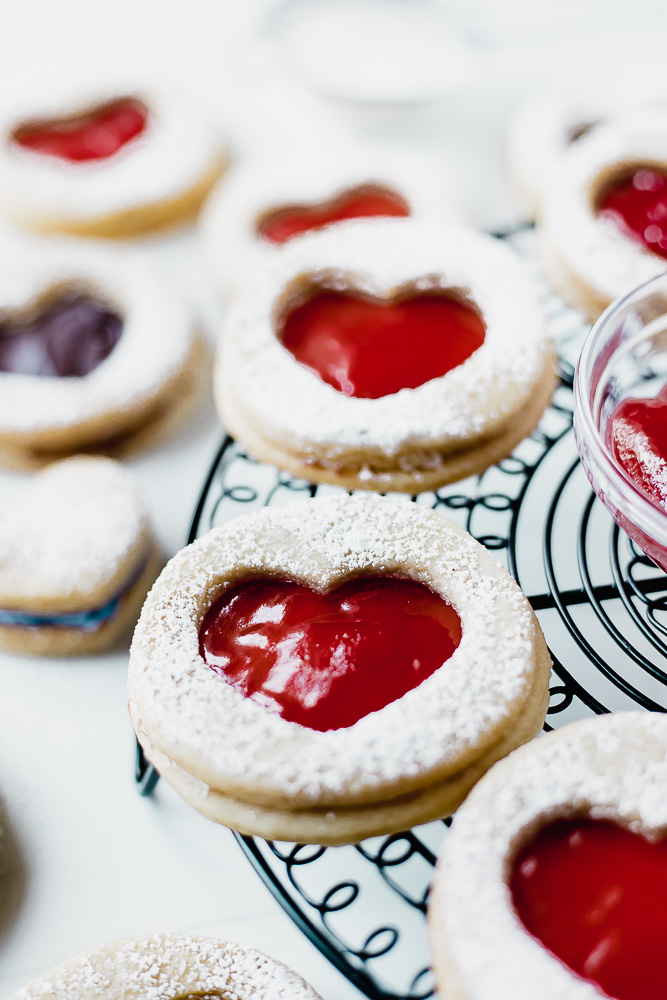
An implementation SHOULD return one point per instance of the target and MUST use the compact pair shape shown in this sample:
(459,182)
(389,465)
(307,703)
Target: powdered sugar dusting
(70,535)
(169,967)
(612,767)
(307,177)
(594,249)
(176,150)
(380,258)
(155,342)
(203,725)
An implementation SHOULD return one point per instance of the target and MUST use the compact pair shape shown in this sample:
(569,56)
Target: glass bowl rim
(604,470)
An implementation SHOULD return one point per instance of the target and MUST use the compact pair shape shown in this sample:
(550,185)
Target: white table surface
(85,859)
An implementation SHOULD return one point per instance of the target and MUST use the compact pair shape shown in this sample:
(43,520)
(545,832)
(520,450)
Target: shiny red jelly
(638,440)
(327,660)
(95,135)
(637,206)
(596,896)
(369,348)
(361,203)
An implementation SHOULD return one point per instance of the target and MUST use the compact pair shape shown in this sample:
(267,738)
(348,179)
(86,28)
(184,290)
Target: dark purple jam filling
(71,337)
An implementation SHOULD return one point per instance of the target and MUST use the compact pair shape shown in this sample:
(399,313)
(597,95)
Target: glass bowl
(625,355)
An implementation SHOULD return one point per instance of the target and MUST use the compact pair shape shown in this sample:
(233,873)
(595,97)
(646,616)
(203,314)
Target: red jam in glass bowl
(620,408)
(370,348)
(326,660)
(595,895)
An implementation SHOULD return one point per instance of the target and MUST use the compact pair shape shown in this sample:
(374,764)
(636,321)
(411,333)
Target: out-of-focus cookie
(95,352)
(104,160)
(552,881)
(334,669)
(602,226)
(265,202)
(550,122)
(77,556)
(387,354)
(173,966)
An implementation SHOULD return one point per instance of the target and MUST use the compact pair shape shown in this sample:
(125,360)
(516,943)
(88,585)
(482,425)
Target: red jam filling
(637,206)
(362,203)
(595,895)
(369,348)
(95,135)
(326,660)
(638,440)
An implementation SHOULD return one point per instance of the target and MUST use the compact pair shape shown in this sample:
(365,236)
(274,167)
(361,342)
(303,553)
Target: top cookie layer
(610,767)
(169,967)
(383,258)
(231,743)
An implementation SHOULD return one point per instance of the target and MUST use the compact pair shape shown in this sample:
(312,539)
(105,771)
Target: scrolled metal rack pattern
(602,605)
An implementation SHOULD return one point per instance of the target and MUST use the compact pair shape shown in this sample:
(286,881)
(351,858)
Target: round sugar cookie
(408,757)
(107,160)
(491,344)
(169,966)
(568,811)
(264,202)
(95,352)
(77,557)
(590,255)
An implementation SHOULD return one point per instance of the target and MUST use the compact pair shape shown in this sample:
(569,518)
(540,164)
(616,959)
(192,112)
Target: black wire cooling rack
(602,605)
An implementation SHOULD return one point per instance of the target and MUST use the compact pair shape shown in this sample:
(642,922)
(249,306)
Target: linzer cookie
(77,556)
(334,669)
(95,353)
(387,354)
(603,221)
(169,966)
(550,122)
(552,881)
(266,202)
(104,161)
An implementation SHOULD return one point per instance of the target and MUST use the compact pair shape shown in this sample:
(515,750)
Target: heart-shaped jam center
(595,895)
(327,660)
(638,440)
(95,135)
(369,348)
(70,337)
(358,203)
(637,207)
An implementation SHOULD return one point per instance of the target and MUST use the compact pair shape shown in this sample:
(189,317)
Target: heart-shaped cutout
(637,207)
(638,439)
(370,348)
(595,895)
(327,660)
(94,135)
(357,203)
(71,336)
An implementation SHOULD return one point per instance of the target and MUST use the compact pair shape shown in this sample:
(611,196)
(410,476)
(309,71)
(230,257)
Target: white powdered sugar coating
(169,967)
(594,249)
(303,178)
(173,153)
(231,743)
(155,342)
(610,767)
(69,535)
(380,258)
(548,123)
